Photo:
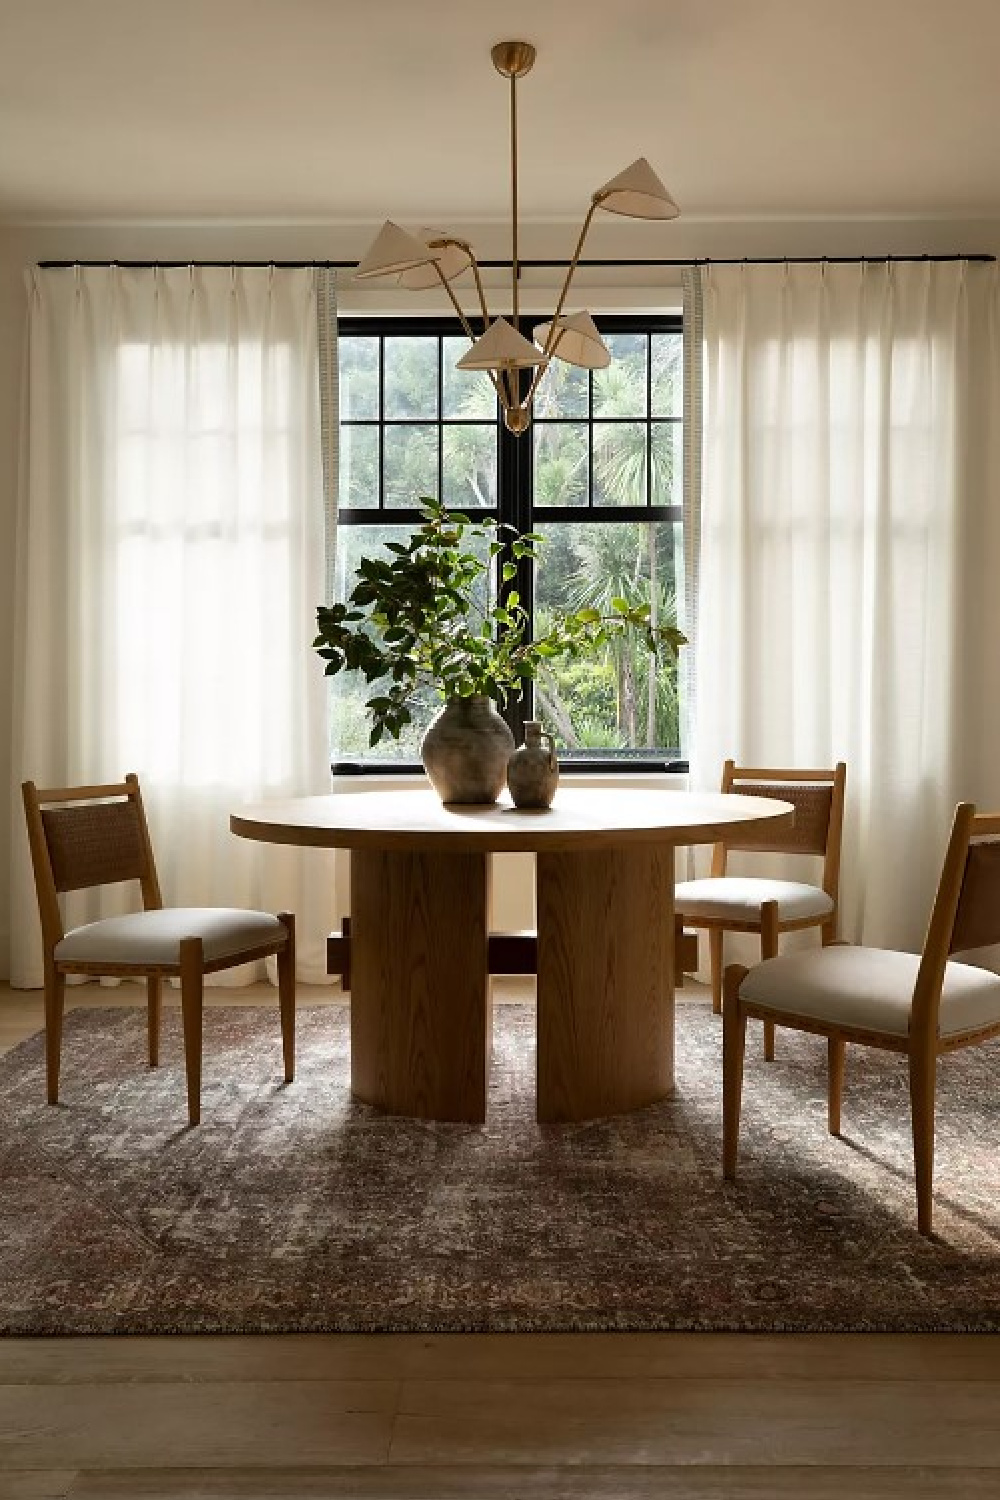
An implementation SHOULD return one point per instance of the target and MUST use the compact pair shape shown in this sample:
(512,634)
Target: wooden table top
(584,818)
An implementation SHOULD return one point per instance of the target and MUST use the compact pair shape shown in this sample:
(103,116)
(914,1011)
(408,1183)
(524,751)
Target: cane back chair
(922,1005)
(88,836)
(733,903)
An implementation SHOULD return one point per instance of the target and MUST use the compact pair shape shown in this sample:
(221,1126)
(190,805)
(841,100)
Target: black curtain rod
(526,265)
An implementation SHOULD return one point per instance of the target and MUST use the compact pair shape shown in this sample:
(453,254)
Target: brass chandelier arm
(547,359)
(479,288)
(509,398)
(550,341)
(555,333)
(452,239)
(455,302)
(469,333)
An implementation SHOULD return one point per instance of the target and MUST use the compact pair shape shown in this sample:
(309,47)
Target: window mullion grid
(514,509)
(590,440)
(649,420)
(524,707)
(440,416)
(381,423)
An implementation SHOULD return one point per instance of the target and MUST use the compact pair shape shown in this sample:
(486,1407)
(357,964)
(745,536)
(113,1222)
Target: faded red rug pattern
(298,1209)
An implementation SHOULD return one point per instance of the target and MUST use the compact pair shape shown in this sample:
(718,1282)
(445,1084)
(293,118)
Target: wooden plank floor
(483,1417)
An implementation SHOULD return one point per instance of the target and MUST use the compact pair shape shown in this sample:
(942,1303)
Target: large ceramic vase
(465,751)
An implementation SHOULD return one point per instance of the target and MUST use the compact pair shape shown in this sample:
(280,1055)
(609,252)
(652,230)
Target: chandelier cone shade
(577,341)
(433,257)
(636,193)
(393,251)
(501,348)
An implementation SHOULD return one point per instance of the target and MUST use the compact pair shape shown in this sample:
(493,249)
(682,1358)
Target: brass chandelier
(429,256)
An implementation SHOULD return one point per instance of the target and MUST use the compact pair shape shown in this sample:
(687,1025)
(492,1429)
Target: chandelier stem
(515,304)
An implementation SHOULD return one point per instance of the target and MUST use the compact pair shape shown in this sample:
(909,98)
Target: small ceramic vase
(533,771)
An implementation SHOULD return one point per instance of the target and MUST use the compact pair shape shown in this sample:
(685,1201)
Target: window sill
(391,777)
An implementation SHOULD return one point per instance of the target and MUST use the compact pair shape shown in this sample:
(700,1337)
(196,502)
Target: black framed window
(598,474)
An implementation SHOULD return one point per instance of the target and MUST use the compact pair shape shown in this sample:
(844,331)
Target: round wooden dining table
(420,896)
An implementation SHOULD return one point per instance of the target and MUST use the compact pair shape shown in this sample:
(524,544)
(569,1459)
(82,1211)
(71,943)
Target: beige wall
(22,246)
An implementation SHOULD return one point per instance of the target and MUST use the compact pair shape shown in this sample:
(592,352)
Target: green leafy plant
(423,615)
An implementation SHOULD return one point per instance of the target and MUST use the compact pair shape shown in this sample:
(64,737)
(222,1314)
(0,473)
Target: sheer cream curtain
(171,556)
(849,605)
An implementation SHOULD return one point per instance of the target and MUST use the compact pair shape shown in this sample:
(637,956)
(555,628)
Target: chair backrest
(87,836)
(966,910)
(818,799)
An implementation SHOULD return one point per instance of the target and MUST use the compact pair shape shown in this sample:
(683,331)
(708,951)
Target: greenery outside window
(598,475)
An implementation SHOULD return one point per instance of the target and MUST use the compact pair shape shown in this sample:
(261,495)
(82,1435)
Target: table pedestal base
(419,998)
(605,981)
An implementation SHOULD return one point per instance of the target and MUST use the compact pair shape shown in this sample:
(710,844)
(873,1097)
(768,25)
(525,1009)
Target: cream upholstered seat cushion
(154,937)
(740,898)
(981,958)
(870,988)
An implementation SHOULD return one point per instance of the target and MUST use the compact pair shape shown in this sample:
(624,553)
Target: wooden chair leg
(734,1032)
(715,936)
(836,1051)
(154,1008)
(55,998)
(286,994)
(769,949)
(345,974)
(192,999)
(923,1078)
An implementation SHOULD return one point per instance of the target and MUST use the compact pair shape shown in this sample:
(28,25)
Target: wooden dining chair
(922,1005)
(734,903)
(97,835)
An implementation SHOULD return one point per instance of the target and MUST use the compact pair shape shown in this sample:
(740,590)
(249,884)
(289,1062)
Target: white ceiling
(320,110)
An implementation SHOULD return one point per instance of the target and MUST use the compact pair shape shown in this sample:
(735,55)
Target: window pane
(620,389)
(467,393)
(600,441)
(411,378)
(619,699)
(620,463)
(470,466)
(563,391)
(561,457)
(357,360)
(411,465)
(667,445)
(667,374)
(350,725)
(358,464)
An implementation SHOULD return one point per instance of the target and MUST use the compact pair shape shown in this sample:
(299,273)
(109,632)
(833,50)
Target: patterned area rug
(298,1209)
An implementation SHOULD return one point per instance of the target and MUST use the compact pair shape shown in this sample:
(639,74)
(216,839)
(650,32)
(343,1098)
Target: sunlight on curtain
(172,541)
(849,547)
